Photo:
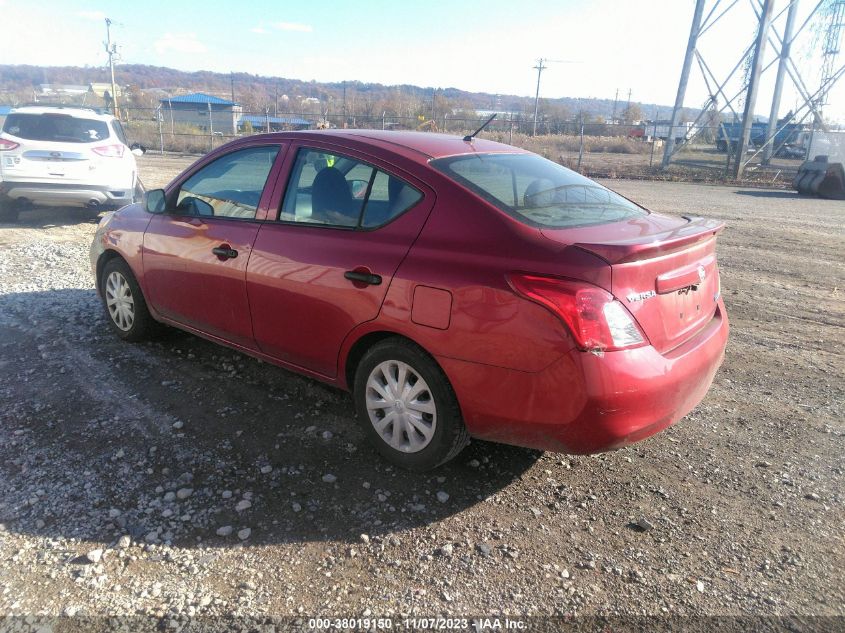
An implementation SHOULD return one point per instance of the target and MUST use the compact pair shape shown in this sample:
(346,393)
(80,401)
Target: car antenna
(468,138)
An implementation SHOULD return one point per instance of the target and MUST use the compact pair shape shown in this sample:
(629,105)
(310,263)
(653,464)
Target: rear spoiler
(696,230)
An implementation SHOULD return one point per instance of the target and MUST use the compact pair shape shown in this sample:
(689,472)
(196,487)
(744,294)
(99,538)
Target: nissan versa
(456,286)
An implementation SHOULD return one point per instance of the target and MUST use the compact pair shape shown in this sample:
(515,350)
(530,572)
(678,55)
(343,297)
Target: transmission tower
(830,51)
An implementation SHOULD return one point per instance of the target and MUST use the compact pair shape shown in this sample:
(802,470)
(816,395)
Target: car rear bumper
(587,403)
(58,194)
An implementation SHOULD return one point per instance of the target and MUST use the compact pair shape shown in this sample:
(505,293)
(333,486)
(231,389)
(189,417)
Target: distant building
(503,115)
(62,90)
(100,89)
(275,123)
(204,111)
(651,130)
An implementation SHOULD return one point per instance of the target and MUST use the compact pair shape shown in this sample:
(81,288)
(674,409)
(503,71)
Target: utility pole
(111,51)
(232,79)
(615,101)
(434,105)
(210,126)
(694,32)
(753,85)
(539,68)
(772,127)
(160,133)
(628,107)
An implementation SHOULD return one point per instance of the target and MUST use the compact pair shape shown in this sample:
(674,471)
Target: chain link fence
(585,144)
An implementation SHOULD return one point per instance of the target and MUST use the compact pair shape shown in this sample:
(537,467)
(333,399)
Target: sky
(486,46)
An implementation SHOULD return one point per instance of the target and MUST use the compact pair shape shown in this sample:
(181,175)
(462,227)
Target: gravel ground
(177,478)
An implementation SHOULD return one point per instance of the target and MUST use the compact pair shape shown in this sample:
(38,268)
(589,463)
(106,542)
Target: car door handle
(362,277)
(225,252)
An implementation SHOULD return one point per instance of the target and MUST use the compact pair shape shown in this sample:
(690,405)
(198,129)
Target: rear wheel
(124,302)
(407,406)
(9,211)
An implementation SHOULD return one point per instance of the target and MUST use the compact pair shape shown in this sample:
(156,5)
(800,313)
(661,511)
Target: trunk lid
(663,270)
(52,162)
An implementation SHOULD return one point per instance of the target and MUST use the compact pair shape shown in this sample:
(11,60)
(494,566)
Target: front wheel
(125,305)
(407,406)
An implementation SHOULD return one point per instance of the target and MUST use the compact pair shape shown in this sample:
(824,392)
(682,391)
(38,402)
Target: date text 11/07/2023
(417,624)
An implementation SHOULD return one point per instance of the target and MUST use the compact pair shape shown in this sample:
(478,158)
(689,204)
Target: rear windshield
(537,191)
(61,128)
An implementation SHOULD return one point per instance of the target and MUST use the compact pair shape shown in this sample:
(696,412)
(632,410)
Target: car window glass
(118,131)
(338,190)
(59,128)
(389,198)
(537,191)
(326,189)
(231,186)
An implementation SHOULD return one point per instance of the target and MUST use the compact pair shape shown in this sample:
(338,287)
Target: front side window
(340,191)
(231,186)
(537,191)
(59,128)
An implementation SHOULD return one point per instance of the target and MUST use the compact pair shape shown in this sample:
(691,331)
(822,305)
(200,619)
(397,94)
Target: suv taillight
(110,151)
(597,320)
(5,145)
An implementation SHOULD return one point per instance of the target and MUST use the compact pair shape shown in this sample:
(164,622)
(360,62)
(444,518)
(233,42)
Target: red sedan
(458,288)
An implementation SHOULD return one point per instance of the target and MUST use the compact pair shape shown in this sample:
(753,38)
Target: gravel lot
(178,478)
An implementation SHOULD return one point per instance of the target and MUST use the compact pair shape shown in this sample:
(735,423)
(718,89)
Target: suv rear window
(61,128)
(537,191)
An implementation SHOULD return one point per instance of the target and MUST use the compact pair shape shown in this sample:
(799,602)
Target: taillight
(5,145)
(109,151)
(597,320)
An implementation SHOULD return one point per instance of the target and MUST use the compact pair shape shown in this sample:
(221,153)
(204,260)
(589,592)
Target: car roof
(87,113)
(418,146)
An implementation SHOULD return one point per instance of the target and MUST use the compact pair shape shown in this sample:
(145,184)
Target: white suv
(57,156)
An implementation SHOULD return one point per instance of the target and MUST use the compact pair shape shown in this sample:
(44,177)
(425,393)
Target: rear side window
(118,131)
(537,191)
(60,128)
(340,191)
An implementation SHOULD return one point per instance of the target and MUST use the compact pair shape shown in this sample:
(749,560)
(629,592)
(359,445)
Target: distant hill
(144,85)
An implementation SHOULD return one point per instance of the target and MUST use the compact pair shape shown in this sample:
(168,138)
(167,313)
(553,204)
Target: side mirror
(137,149)
(155,201)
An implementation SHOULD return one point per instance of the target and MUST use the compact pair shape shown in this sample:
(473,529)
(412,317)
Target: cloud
(256,29)
(179,43)
(92,15)
(292,26)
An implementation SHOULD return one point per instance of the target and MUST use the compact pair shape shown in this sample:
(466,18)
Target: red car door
(195,253)
(324,266)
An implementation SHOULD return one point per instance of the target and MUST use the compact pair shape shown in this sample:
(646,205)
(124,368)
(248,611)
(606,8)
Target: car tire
(124,302)
(396,379)
(9,211)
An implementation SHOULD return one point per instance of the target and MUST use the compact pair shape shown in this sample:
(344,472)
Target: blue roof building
(261,123)
(198,98)
(204,111)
